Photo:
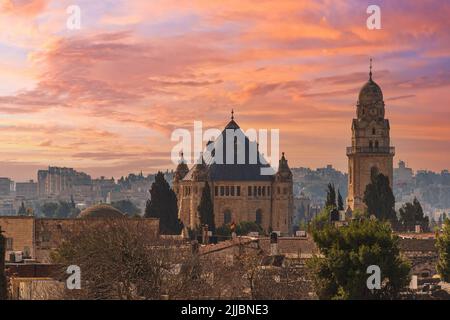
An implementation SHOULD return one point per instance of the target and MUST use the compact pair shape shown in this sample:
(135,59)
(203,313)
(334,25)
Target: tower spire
(232,114)
(370,73)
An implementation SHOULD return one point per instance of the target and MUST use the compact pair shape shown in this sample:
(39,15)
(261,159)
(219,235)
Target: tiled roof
(422,245)
(249,170)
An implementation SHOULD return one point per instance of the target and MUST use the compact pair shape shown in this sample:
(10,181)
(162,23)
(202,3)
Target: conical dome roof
(370,93)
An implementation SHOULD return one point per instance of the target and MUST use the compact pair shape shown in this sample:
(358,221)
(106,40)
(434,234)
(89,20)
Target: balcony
(375,150)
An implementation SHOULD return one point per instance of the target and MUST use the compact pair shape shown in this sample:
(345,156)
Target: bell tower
(371,149)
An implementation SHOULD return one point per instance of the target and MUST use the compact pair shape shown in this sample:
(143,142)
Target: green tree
(163,205)
(3,282)
(331,196)
(22,210)
(348,252)
(245,227)
(379,198)
(411,214)
(206,208)
(242,229)
(63,210)
(72,202)
(443,246)
(322,219)
(49,209)
(340,201)
(126,206)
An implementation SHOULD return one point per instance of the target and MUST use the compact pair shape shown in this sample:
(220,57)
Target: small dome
(101,211)
(370,93)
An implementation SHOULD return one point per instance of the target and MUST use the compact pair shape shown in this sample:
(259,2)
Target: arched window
(258,219)
(227,216)
(373,131)
(259,191)
(370,144)
(376,144)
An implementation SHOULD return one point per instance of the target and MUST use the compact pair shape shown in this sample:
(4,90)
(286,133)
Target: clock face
(373,111)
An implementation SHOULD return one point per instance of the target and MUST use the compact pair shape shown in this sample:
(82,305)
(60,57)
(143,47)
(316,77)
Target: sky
(106,98)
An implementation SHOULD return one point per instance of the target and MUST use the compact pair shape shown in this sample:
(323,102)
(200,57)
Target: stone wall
(19,230)
(276,209)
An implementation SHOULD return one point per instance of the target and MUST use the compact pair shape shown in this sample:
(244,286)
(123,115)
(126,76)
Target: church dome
(370,93)
(101,211)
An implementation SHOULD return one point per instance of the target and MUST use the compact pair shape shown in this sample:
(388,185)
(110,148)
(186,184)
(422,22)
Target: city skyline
(137,70)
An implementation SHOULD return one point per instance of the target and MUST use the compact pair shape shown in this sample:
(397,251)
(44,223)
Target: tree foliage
(331,196)
(379,198)
(206,208)
(340,201)
(22,210)
(443,245)
(242,229)
(126,206)
(348,252)
(163,205)
(120,261)
(411,214)
(61,210)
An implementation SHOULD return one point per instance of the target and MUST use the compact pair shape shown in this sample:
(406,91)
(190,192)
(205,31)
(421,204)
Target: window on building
(232,191)
(238,191)
(222,191)
(263,191)
(278,190)
(376,144)
(285,190)
(227,217)
(249,191)
(255,191)
(268,191)
(370,144)
(227,191)
(216,191)
(9,244)
(258,218)
(259,191)
(374,131)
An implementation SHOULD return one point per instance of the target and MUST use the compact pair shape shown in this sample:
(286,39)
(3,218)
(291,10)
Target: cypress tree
(331,196)
(22,210)
(163,205)
(206,209)
(379,198)
(340,201)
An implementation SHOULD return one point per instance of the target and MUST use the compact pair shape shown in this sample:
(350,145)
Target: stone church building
(371,148)
(239,191)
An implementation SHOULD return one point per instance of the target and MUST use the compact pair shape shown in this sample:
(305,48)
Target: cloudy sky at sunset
(105,99)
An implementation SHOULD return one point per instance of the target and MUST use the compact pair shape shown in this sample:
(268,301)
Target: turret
(182,169)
